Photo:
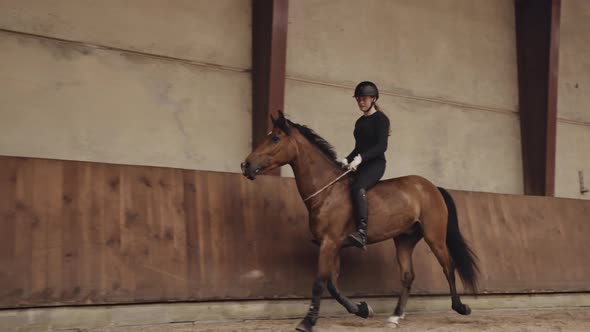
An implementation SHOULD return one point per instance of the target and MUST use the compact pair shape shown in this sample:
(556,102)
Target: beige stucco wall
(216,32)
(447,71)
(138,82)
(573,127)
(83,101)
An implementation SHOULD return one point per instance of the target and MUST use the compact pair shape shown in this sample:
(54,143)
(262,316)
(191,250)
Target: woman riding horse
(371,132)
(405,209)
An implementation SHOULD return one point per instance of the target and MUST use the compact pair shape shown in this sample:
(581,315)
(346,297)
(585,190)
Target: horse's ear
(274,121)
(281,119)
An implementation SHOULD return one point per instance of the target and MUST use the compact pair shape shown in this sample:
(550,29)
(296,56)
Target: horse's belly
(388,227)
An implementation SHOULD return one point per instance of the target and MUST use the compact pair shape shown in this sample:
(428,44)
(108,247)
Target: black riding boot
(359,200)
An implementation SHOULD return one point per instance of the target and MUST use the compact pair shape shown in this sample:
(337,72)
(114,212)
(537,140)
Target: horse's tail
(462,255)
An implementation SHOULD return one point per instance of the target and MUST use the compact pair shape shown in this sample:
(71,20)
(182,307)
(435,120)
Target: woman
(371,133)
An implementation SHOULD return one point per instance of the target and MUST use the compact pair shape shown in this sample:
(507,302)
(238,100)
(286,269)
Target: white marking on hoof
(394,320)
(371,312)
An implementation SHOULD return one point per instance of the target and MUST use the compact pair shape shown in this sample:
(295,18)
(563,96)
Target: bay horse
(405,209)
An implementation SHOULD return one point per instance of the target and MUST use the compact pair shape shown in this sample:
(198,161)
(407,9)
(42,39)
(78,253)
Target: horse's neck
(312,169)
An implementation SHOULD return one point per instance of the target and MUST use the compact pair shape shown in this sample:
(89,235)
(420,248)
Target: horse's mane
(325,147)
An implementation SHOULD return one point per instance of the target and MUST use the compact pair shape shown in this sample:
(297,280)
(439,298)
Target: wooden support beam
(269,52)
(537,38)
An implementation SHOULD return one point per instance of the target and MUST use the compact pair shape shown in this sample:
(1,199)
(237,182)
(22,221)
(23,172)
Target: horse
(405,209)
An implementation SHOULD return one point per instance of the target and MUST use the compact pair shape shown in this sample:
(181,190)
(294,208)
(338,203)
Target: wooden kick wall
(90,233)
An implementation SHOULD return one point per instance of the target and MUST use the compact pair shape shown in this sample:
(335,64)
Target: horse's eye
(275,139)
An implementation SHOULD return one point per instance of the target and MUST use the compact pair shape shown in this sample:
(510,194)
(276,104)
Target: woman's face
(364,102)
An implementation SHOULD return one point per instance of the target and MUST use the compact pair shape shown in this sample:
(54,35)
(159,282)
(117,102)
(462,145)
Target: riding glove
(355,162)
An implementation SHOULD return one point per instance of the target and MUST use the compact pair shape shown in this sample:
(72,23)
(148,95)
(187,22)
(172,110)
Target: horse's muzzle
(249,171)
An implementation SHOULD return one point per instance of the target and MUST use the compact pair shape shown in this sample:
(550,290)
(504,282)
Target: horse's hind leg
(405,245)
(360,309)
(435,234)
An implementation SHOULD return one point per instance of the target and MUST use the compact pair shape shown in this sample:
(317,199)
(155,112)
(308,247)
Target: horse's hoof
(304,326)
(394,321)
(365,311)
(463,309)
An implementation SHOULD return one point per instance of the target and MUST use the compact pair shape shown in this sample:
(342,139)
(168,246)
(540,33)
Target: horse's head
(277,149)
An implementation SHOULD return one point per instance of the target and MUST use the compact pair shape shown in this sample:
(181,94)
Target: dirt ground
(576,319)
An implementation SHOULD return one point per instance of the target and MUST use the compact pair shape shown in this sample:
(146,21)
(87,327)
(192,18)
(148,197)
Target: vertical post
(269,52)
(537,38)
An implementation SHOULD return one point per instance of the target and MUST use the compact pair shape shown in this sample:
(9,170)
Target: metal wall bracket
(583,189)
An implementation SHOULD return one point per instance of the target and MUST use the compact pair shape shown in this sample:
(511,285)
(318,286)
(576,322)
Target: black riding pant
(367,175)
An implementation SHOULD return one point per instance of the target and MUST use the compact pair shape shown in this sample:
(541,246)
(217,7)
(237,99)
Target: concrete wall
(136,82)
(447,72)
(573,127)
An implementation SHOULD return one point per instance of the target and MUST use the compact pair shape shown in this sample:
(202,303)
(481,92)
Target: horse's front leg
(328,251)
(360,309)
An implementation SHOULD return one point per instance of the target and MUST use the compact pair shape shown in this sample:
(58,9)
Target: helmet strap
(372,104)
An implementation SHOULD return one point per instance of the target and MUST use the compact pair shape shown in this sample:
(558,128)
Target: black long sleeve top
(371,134)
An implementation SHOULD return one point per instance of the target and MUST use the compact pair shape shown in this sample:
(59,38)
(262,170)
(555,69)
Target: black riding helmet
(366,88)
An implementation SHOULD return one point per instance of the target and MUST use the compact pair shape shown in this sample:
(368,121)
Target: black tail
(462,255)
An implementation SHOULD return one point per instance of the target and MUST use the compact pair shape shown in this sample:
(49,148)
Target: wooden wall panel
(87,233)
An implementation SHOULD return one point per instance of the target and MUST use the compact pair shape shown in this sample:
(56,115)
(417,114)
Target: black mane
(315,139)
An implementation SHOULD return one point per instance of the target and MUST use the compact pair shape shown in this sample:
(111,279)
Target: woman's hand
(355,162)
(344,163)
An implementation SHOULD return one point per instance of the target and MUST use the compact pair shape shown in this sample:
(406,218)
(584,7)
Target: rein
(329,184)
